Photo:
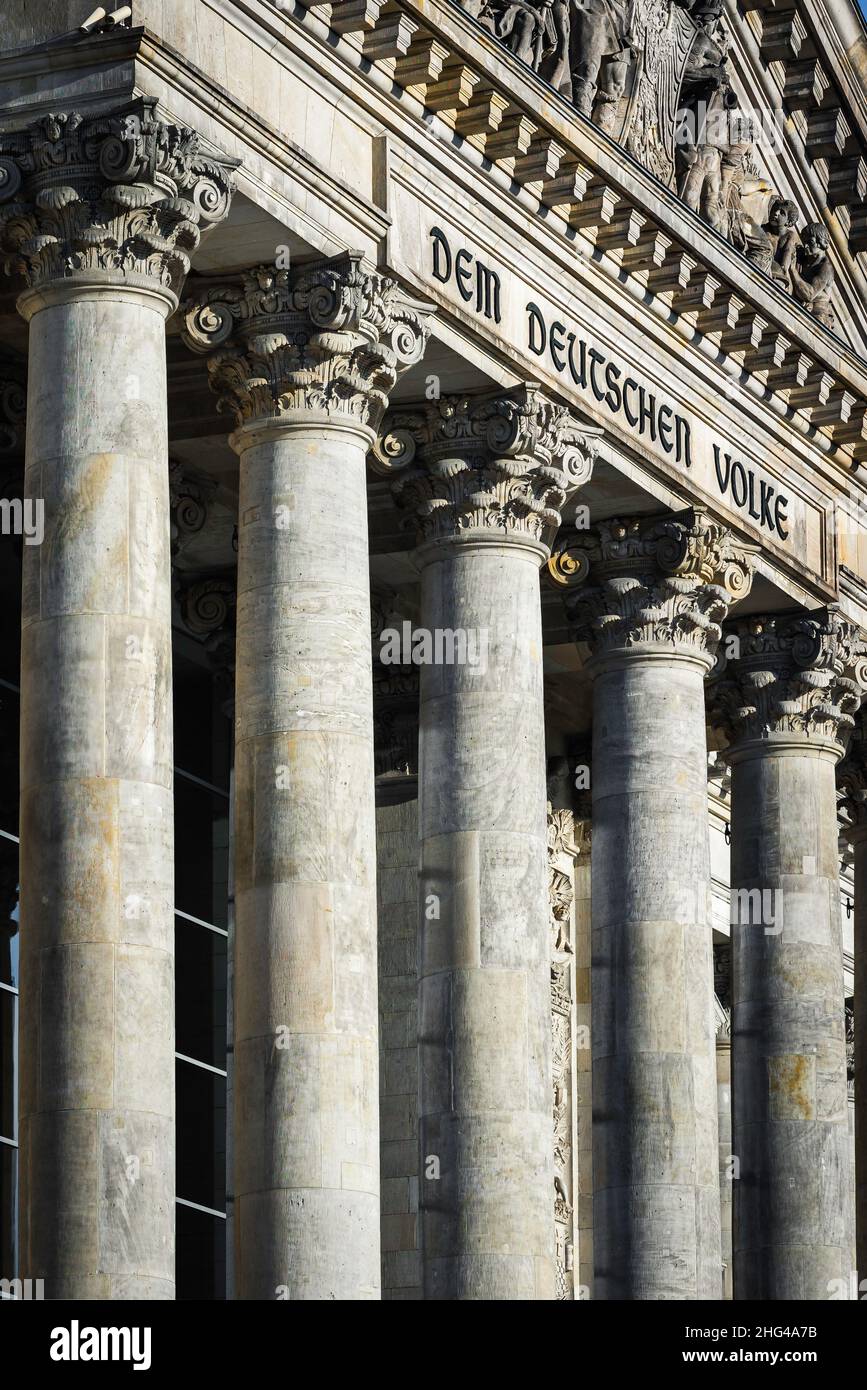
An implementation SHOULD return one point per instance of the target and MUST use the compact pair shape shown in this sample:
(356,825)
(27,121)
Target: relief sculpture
(655,75)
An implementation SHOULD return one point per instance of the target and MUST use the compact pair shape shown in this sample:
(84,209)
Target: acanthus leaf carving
(658,581)
(505,463)
(122,191)
(332,337)
(800,676)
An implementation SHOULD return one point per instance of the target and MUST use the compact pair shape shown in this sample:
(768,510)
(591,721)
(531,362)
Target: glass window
(8,1212)
(9,720)
(201,851)
(201,1155)
(203,731)
(201,1254)
(8,1067)
(200,990)
(203,741)
(9,940)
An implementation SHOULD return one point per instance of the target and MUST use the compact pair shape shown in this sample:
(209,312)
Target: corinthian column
(650,599)
(787,705)
(852,782)
(305,363)
(485,480)
(100,214)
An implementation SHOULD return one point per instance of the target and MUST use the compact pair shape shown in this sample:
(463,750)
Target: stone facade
(432,442)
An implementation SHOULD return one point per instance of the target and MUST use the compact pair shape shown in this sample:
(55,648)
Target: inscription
(614,387)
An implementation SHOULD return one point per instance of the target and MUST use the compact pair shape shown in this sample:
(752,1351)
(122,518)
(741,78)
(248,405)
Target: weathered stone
(787,704)
(656,593)
(305,362)
(484,480)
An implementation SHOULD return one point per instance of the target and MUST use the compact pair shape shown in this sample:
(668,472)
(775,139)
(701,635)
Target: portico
(453,361)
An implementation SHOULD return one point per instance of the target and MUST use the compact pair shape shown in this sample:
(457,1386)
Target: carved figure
(604,48)
(527,27)
(813,274)
(773,245)
(705,133)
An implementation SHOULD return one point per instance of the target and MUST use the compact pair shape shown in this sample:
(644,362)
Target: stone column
(786,704)
(724,1115)
(485,479)
(722,956)
(305,363)
(100,214)
(658,590)
(852,800)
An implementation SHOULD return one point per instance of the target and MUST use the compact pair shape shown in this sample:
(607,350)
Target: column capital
(494,466)
(328,340)
(118,198)
(797,679)
(644,586)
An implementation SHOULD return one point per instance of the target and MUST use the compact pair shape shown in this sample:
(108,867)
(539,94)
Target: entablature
(506,119)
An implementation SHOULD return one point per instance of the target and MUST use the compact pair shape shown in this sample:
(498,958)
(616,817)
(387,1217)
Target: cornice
(265,139)
(588,185)
(70,52)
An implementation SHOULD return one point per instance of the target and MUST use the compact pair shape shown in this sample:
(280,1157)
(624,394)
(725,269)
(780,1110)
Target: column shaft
(860,1021)
(724,1114)
(792,1202)
(656,1192)
(97,985)
(306,1066)
(485,1105)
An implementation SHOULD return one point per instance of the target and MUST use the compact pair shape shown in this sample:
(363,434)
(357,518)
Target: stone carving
(850,1046)
(528,29)
(560,890)
(605,45)
(801,675)
(121,193)
(667,581)
(206,607)
(704,130)
(331,337)
(190,496)
(812,274)
(852,789)
(665,34)
(561,851)
(13,407)
(773,246)
(619,62)
(655,75)
(722,988)
(506,463)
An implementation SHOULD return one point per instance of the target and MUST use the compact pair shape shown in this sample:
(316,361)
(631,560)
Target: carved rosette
(121,194)
(800,677)
(489,464)
(659,582)
(332,338)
